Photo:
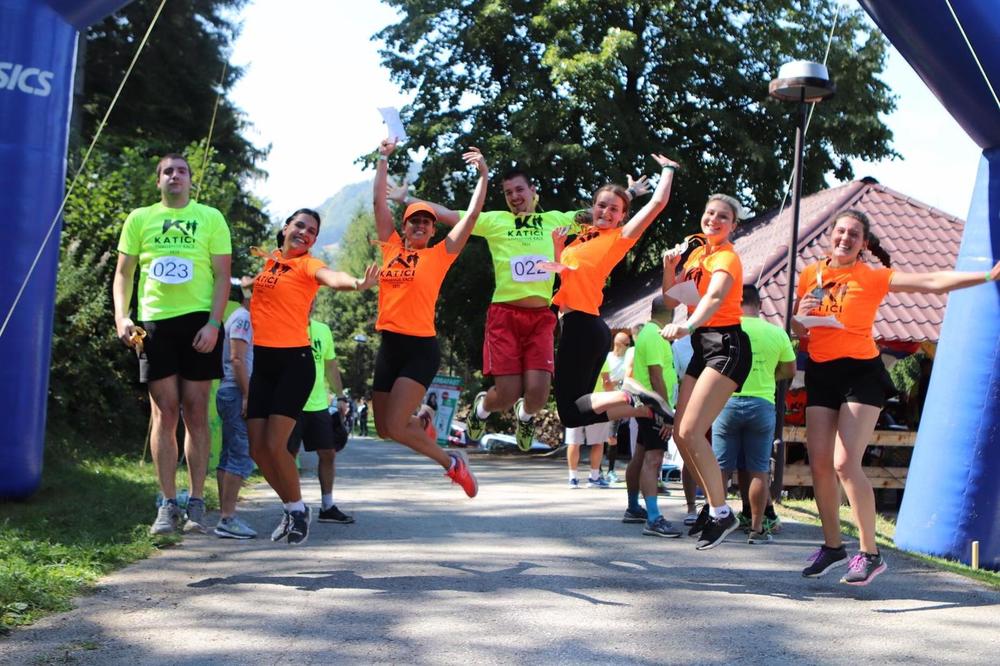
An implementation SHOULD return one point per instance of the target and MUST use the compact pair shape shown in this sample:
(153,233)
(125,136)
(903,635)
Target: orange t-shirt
(700,266)
(282,295)
(409,286)
(852,294)
(590,258)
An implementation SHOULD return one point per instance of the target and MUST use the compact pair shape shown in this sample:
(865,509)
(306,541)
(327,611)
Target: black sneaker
(643,397)
(298,531)
(636,515)
(661,527)
(823,560)
(716,531)
(281,531)
(334,515)
(864,567)
(700,521)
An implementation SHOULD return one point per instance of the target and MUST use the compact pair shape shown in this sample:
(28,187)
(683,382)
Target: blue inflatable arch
(953,489)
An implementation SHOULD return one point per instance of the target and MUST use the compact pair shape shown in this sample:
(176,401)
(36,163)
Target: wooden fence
(798,474)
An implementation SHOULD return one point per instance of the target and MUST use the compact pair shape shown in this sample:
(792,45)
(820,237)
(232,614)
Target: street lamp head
(802,81)
(360,338)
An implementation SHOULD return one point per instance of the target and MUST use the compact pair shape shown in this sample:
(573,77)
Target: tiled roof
(918,238)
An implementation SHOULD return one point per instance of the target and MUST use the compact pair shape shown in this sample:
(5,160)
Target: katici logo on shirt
(832,301)
(183,233)
(30,80)
(526,226)
(588,235)
(402,268)
(268,278)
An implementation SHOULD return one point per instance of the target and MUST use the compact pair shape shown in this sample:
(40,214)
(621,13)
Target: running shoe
(281,531)
(298,530)
(461,474)
(234,528)
(745,523)
(636,515)
(196,516)
(475,426)
(574,483)
(426,416)
(599,482)
(716,531)
(168,518)
(772,525)
(661,527)
(612,477)
(864,568)
(700,521)
(823,560)
(525,433)
(759,537)
(640,396)
(334,515)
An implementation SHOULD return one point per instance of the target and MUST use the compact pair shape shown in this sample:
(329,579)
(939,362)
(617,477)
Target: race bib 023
(171,270)
(527,268)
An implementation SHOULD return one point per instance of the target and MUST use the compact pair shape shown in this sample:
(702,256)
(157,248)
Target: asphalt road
(528,572)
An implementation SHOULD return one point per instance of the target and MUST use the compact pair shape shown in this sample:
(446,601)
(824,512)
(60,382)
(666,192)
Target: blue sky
(305,68)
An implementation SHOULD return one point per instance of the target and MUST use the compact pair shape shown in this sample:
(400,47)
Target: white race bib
(526,268)
(171,270)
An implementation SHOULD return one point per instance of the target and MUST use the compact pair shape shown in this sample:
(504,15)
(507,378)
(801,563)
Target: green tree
(578,93)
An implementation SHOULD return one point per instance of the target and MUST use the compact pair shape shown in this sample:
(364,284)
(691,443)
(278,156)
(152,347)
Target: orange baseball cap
(419,207)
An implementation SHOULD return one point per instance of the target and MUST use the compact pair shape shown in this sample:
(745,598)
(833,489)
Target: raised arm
(661,195)
(400,194)
(383,215)
(671,258)
(940,282)
(459,234)
(342,281)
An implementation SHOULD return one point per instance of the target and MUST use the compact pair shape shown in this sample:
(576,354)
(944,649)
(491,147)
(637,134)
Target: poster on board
(442,395)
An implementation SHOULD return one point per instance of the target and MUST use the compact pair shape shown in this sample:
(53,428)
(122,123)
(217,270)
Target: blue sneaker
(234,528)
(574,483)
(599,482)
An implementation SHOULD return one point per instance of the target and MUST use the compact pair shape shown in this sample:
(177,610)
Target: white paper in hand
(686,292)
(812,321)
(394,126)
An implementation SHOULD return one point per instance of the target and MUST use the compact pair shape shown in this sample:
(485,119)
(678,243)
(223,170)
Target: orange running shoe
(462,475)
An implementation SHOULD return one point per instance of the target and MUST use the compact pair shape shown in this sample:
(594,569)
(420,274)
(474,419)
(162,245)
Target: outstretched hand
(473,157)
(559,235)
(995,273)
(388,146)
(664,161)
(397,192)
(371,277)
(639,186)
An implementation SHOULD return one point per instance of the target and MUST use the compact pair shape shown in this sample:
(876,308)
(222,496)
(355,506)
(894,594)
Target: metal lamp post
(803,82)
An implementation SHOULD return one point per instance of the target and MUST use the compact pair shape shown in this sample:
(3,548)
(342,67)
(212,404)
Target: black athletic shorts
(317,431)
(281,382)
(409,356)
(725,349)
(649,436)
(832,383)
(167,350)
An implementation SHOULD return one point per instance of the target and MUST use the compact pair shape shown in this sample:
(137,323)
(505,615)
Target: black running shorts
(832,383)
(167,350)
(399,355)
(725,349)
(318,431)
(281,381)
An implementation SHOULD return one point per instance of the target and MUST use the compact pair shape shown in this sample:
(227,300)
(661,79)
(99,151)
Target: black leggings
(584,342)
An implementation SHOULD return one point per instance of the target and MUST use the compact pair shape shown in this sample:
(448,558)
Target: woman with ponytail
(846,381)
(283,369)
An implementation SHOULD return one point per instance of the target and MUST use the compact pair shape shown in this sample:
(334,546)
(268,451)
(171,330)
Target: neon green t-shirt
(770,345)
(321,339)
(175,248)
(652,349)
(517,244)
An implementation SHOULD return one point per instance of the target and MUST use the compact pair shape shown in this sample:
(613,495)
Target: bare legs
(394,419)
(709,393)
(836,441)
(166,397)
(533,385)
(269,449)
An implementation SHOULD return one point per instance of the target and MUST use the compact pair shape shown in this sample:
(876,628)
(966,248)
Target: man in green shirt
(316,428)
(743,433)
(653,368)
(519,337)
(182,249)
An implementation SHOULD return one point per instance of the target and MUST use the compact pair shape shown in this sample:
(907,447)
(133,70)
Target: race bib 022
(527,268)
(171,270)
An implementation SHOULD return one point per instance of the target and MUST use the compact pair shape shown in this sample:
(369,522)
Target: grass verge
(89,517)
(885,529)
